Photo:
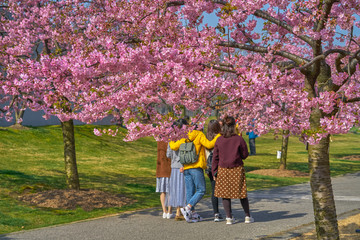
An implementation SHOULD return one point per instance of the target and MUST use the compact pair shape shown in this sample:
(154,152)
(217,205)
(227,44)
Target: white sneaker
(249,219)
(218,217)
(196,217)
(164,215)
(169,215)
(230,220)
(186,212)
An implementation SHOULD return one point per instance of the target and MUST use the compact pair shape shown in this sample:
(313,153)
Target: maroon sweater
(229,152)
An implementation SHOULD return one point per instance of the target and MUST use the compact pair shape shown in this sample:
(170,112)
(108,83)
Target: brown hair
(213,129)
(228,128)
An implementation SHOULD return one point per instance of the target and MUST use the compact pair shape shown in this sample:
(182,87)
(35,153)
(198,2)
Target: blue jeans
(194,185)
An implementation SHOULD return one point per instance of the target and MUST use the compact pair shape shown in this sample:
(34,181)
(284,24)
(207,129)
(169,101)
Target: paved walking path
(279,213)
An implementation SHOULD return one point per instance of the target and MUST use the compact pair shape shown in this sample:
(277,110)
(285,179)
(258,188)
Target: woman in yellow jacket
(194,173)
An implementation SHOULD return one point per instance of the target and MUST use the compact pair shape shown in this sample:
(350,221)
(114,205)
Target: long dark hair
(228,128)
(213,129)
(180,123)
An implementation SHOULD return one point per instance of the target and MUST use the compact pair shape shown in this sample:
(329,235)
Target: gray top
(174,156)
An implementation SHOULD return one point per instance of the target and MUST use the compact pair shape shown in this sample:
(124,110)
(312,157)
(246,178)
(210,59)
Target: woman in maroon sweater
(228,167)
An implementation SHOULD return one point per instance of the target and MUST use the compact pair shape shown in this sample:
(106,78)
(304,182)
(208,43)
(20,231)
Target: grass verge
(32,161)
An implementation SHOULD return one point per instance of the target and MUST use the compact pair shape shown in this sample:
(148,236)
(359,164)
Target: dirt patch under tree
(352,158)
(71,199)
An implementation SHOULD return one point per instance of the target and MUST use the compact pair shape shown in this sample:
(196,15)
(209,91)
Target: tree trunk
(321,188)
(19,113)
(71,172)
(284,147)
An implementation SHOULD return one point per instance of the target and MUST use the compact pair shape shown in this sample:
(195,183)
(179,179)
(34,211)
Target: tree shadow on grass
(16,180)
(12,221)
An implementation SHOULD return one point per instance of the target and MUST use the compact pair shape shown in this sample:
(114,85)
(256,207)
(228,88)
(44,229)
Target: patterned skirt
(231,183)
(162,184)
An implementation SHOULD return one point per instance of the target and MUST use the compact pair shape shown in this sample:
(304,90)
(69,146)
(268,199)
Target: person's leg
(245,204)
(189,192)
(162,200)
(200,185)
(178,213)
(169,209)
(252,146)
(227,207)
(214,200)
(189,185)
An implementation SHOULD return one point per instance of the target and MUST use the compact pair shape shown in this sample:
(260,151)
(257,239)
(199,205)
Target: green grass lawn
(32,160)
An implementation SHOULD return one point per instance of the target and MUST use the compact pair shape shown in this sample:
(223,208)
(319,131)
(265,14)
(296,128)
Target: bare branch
(352,100)
(284,25)
(226,103)
(298,60)
(22,56)
(93,65)
(323,56)
(353,61)
(312,62)
(286,65)
(133,40)
(219,68)
(338,62)
(174,3)
(13,101)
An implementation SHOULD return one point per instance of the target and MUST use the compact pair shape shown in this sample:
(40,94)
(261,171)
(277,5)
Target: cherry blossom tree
(306,56)
(38,52)
(130,58)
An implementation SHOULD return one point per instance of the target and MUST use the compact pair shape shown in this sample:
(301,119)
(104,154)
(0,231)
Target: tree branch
(352,100)
(298,60)
(353,61)
(284,25)
(180,3)
(323,56)
(224,104)
(218,68)
(326,11)
(312,62)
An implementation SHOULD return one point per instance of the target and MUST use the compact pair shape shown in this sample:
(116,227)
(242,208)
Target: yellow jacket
(200,141)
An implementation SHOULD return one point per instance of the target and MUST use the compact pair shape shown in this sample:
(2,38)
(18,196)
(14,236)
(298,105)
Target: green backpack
(187,153)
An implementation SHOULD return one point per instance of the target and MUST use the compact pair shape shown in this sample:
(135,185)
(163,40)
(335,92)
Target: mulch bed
(71,199)
(352,158)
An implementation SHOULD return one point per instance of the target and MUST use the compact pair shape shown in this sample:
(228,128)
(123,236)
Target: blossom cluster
(85,60)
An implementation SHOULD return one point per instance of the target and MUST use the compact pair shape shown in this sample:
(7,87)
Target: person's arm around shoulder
(176,145)
(244,153)
(206,143)
(193,134)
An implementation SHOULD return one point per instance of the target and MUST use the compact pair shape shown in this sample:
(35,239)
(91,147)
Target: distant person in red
(228,169)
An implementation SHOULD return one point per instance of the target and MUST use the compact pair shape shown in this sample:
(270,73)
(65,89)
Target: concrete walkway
(280,213)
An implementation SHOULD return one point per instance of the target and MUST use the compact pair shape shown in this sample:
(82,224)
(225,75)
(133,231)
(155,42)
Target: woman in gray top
(177,182)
